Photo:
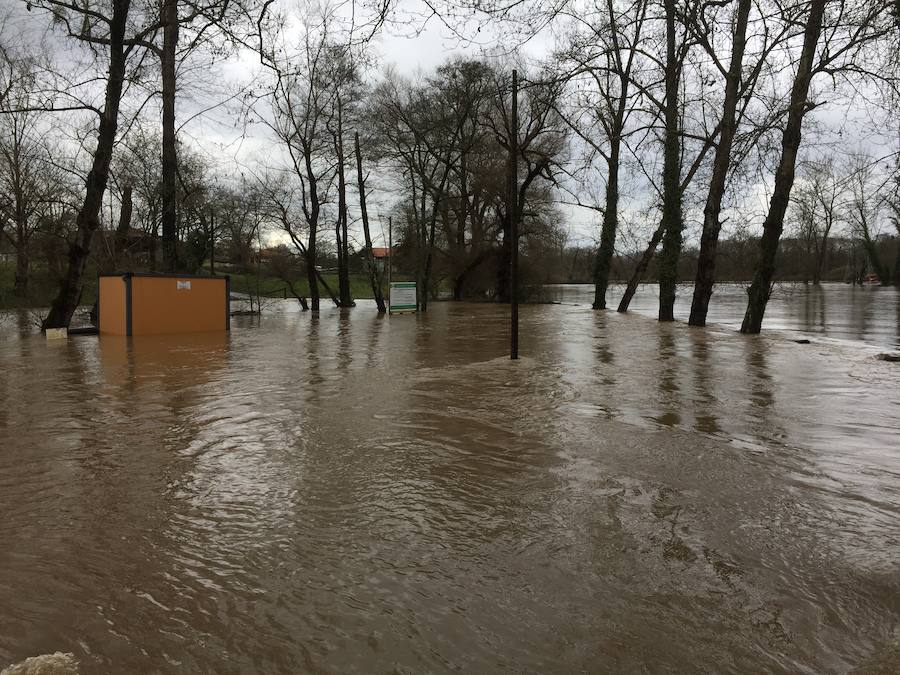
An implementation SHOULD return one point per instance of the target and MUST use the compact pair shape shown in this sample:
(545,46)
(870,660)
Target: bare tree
(29,182)
(836,37)
(700,24)
(605,55)
(202,21)
(302,105)
(892,201)
(345,82)
(106,29)
(818,201)
(540,142)
(866,212)
(419,135)
(374,275)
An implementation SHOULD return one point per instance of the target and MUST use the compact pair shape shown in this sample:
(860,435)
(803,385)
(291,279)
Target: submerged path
(349,493)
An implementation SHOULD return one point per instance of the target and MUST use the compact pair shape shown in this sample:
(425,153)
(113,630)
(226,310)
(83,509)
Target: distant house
(380,253)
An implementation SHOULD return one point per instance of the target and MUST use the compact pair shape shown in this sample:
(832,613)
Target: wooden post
(513,209)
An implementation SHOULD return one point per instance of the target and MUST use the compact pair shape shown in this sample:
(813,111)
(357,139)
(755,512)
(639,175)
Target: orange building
(136,303)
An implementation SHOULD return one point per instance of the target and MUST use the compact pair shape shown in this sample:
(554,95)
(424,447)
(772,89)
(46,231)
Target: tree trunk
(169,150)
(458,286)
(671,209)
(125,212)
(154,245)
(312,273)
(709,239)
(339,250)
(641,268)
(364,215)
(822,254)
(897,265)
(211,236)
(603,263)
(758,294)
(426,281)
(882,271)
(88,220)
(22,263)
(331,294)
(20,286)
(464,198)
(290,284)
(343,248)
(428,233)
(312,277)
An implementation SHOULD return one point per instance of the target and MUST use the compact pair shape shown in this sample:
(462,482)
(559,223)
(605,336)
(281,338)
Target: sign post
(403,297)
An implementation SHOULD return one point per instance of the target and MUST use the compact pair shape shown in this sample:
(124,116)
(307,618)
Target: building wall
(112,305)
(177,305)
(163,304)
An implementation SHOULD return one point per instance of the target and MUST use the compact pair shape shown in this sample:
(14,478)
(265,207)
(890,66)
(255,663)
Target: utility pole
(513,214)
(390,259)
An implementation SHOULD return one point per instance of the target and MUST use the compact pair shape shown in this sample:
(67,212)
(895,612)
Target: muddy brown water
(351,493)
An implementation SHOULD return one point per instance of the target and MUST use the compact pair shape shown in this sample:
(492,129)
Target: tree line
(668,121)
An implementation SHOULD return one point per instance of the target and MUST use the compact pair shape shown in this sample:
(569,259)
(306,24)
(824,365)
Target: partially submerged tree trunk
(709,240)
(169,151)
(429,257)
(882,271)
(20,287)
(88,218)
(427,237)
(374,277)
(21,225)
(641,268)
(331,293)
(312,273)
(897,268)
(897,260)
(304,306)
(343,248)
(672,219)
(822,253)
(760,288)
(603,262)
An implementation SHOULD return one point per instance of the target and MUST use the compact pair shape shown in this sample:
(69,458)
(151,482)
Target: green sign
(403,296)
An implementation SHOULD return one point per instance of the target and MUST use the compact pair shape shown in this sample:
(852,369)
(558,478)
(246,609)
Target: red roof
(380,252)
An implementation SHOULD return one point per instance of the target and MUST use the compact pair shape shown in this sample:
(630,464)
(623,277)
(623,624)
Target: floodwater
(869,314)
(351,493)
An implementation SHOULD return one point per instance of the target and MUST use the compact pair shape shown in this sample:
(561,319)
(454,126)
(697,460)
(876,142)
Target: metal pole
(390,259)
(514,219)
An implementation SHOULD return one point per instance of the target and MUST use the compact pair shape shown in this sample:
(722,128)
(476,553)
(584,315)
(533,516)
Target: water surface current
(350,493)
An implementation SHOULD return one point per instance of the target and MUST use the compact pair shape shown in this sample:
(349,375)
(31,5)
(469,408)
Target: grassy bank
(42,288)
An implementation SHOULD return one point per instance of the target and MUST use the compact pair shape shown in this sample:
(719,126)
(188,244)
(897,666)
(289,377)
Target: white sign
(403,296)
(183,285)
